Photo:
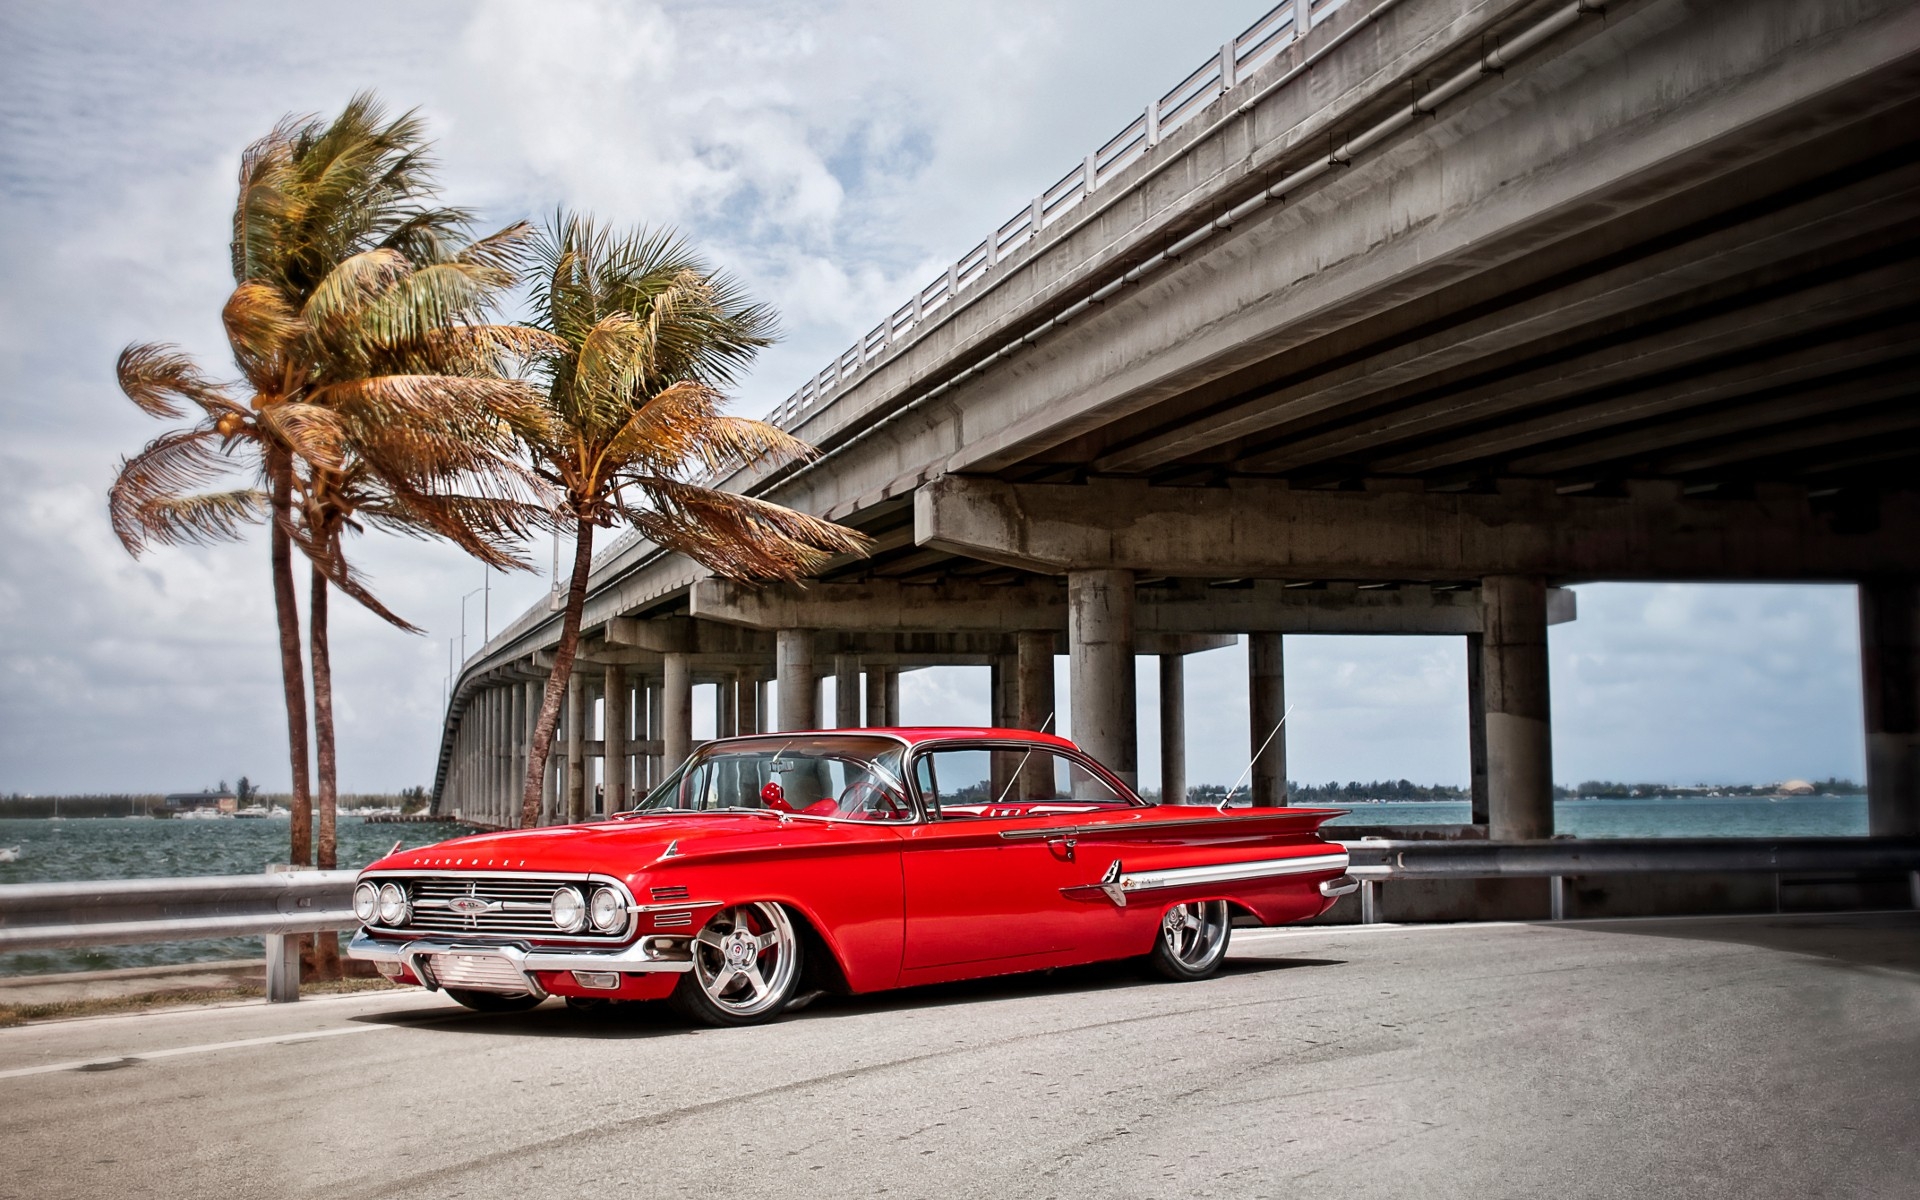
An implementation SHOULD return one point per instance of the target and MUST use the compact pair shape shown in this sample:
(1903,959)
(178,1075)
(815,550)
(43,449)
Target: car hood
(624,846)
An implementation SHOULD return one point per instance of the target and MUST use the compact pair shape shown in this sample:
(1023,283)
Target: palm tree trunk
(292,673)
(562,670)
(326,949)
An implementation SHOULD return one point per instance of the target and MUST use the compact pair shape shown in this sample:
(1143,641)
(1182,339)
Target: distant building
(1796,787)
(179,802)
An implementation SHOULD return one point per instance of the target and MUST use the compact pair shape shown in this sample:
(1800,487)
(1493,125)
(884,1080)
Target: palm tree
(650,335)
(370,391)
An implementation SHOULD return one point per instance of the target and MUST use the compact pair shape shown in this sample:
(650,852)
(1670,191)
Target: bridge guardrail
(1376,860)
(282,905)
(279,905)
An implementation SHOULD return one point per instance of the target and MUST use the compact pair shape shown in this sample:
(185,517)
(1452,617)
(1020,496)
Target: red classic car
(776,866)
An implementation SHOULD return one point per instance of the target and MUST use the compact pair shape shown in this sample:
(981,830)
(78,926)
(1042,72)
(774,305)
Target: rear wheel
(493,1002)
(1193,940)
(746,965)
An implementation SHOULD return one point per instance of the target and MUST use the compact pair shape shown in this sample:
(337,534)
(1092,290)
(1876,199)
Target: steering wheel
(867,796)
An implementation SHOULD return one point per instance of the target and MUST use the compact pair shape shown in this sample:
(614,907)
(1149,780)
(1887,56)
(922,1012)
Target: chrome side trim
(674,906)
(1117,884)
(1124,829)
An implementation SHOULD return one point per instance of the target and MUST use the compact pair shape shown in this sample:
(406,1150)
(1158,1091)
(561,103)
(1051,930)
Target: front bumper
(509,968)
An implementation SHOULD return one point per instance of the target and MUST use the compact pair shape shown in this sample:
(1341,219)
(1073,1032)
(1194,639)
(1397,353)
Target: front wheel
(1193,940)
(493,1002)
(746,965)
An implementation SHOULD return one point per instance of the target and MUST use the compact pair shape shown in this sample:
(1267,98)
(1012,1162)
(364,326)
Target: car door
(986,875)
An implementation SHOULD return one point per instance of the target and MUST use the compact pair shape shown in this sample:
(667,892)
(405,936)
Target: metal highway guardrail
(281,905)
(1375,860)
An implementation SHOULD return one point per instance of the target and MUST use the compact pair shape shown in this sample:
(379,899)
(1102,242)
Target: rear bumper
(509,968)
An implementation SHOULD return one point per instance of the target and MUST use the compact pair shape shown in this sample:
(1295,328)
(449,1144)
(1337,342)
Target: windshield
(850,778)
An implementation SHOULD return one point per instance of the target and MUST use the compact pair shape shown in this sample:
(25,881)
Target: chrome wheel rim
(745,957)
(1194,933)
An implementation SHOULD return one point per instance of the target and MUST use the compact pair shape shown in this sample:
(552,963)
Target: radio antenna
(1222,806)
(1015,777)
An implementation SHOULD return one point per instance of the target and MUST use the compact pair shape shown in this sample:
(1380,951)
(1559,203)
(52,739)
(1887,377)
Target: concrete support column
(1100,643)
(532,691)
(1035,705)
(893,697)
(877,696)
(725,708)
(1519,726)
(746,693)
(676,700)
(657,767)
(492,800)
(799,698)
(1477,726)
(846,691)
(576,748)
(1002,674)
(613,766)
(1266,709)
(1890,675)
(1173,729)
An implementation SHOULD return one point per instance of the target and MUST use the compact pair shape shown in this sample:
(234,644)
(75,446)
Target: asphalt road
(1684,1058)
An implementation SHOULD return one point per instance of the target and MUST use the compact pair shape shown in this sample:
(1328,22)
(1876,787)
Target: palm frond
(163,382)
(157,495)
(734,536)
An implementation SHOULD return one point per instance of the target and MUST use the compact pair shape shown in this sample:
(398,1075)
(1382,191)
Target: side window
(1008,781)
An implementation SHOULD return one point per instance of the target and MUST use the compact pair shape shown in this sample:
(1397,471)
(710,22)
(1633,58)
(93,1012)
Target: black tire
(1192,941)
(760,937)
(493,1002)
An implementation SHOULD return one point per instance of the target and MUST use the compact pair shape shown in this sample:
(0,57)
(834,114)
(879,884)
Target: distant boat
(204,814)
(9,854)
(252,812)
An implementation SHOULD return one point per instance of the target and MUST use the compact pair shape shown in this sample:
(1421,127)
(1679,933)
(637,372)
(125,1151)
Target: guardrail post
(1913,887)
(1557,898)
(1369,902)
(283,955)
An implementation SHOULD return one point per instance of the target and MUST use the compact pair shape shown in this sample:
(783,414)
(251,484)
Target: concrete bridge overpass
(1392,317)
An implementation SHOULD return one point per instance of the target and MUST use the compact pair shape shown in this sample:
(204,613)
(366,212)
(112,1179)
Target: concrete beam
(880,606)
(1266,529)
(1187,607)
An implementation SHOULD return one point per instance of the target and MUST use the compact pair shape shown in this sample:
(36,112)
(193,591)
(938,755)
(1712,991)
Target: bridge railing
(279,906)
(282,905)
(1235,61)
(1374,861)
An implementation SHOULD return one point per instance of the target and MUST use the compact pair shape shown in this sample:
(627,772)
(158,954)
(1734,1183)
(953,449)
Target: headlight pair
(572,911)
(385,902)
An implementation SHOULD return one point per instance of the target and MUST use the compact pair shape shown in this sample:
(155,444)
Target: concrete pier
(1100,649)
(1519,726)
(1173,728)
(799,696)
(676,715)
(1267,709)
(1890,676)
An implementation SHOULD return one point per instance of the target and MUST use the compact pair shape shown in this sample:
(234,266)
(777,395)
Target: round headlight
(569,909)
(608,910)
(366,903)
(393,904)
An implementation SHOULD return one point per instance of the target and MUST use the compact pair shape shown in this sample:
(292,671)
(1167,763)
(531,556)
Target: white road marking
(177,1051)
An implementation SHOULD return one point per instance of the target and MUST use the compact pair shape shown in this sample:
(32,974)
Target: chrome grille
(515,908)
(480,971)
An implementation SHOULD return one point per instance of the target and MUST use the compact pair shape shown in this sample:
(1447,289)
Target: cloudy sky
(835,156)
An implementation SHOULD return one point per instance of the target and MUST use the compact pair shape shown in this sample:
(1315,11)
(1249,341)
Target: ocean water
(113,848)
(1654,816)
